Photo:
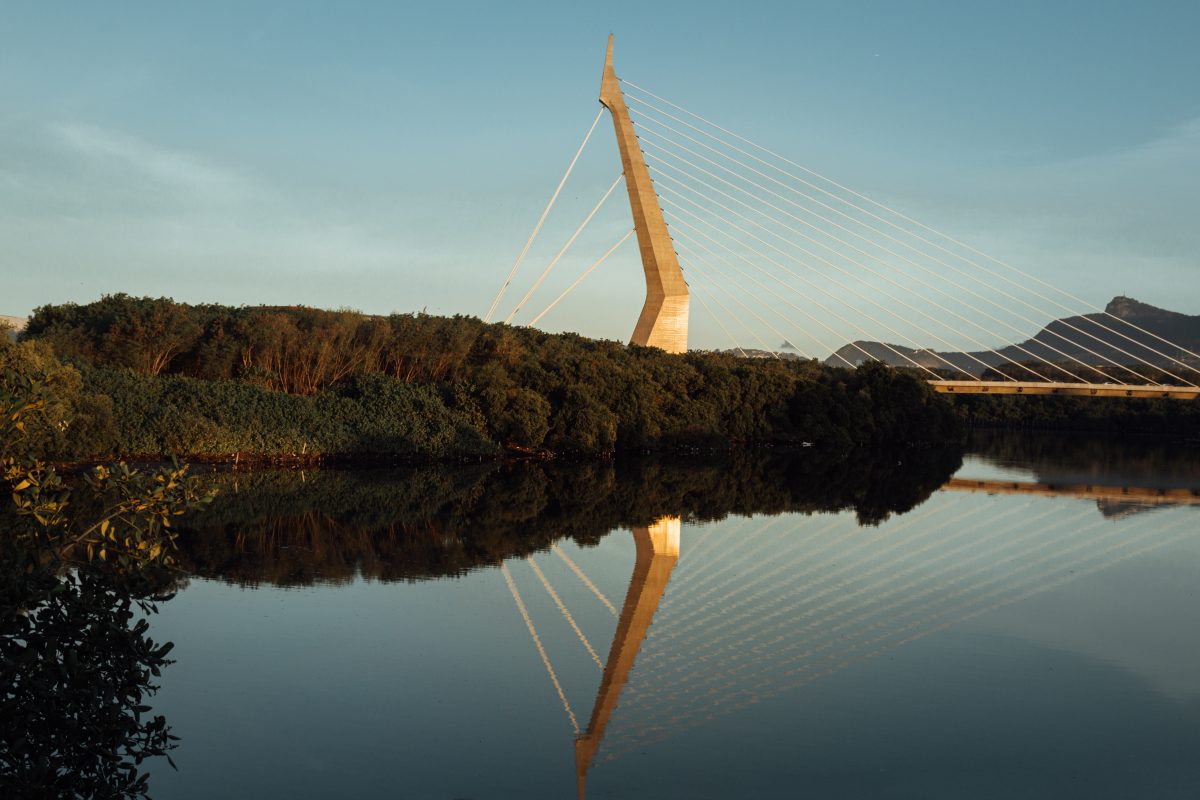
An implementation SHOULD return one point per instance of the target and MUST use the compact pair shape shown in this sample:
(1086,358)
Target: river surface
(1028,630)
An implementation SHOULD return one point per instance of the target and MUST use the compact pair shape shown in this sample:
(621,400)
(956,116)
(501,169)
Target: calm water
(472,635)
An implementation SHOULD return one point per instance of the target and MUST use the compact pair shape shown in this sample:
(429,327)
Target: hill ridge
(1096,347)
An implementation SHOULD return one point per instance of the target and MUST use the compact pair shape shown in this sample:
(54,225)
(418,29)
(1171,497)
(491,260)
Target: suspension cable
(685,238)
(564,249)
(866,254)
(823,260)
(921,225)
(823,307)
(935,259)
(579,280)
(512,587)
(558,551)
(693,261)
(840,285)
(716,319)
(562,608)
(541,220)
(689,229)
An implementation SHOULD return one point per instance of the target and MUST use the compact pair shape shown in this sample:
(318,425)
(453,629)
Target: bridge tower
(664,318)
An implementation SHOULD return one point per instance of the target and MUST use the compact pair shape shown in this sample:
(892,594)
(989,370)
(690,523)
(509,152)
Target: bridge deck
(1066,389)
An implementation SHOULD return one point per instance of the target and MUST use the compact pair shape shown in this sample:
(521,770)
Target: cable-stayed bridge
(717,617)
(775,251)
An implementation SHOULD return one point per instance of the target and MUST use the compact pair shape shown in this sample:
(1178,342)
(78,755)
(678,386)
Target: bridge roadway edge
(1148,391)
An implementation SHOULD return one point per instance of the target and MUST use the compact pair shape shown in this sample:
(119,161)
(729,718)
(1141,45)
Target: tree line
(1123,416)
(288,381)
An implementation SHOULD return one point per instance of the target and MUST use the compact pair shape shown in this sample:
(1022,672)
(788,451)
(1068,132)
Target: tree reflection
(77,666)
(1081,458)
(292,528)
(82,562)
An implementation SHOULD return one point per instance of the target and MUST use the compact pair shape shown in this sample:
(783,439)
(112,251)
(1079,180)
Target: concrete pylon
(664,319)
(657,550)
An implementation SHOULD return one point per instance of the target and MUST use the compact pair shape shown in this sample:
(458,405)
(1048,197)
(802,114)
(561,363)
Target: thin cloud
(171,168)
(90,209)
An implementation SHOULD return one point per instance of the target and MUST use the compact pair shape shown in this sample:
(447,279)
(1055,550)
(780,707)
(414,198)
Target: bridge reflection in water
(766,606)
(657,548)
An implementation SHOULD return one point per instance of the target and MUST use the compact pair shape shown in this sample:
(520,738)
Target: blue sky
(392,158)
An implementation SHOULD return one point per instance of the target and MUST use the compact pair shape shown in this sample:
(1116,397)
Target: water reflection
(764,610)
(1066,459)
(291,528)
(1123,476)
(657,550)
(841,625)
(77,669)
(775,607)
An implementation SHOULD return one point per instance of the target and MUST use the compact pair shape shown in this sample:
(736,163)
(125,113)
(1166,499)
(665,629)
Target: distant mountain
(1070,337)
(752,352)
(14,324)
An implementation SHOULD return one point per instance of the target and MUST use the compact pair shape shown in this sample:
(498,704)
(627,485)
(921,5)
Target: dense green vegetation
(291,382)
(82,564)
(1178,419)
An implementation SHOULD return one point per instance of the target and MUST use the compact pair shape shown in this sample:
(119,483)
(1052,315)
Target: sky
(395,157)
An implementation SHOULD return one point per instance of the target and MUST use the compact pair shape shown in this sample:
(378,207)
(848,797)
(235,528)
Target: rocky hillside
(1073,336)
(13,324)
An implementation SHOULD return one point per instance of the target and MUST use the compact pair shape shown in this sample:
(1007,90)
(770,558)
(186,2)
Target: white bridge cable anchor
(580,279)
(541,220)
(564,249)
